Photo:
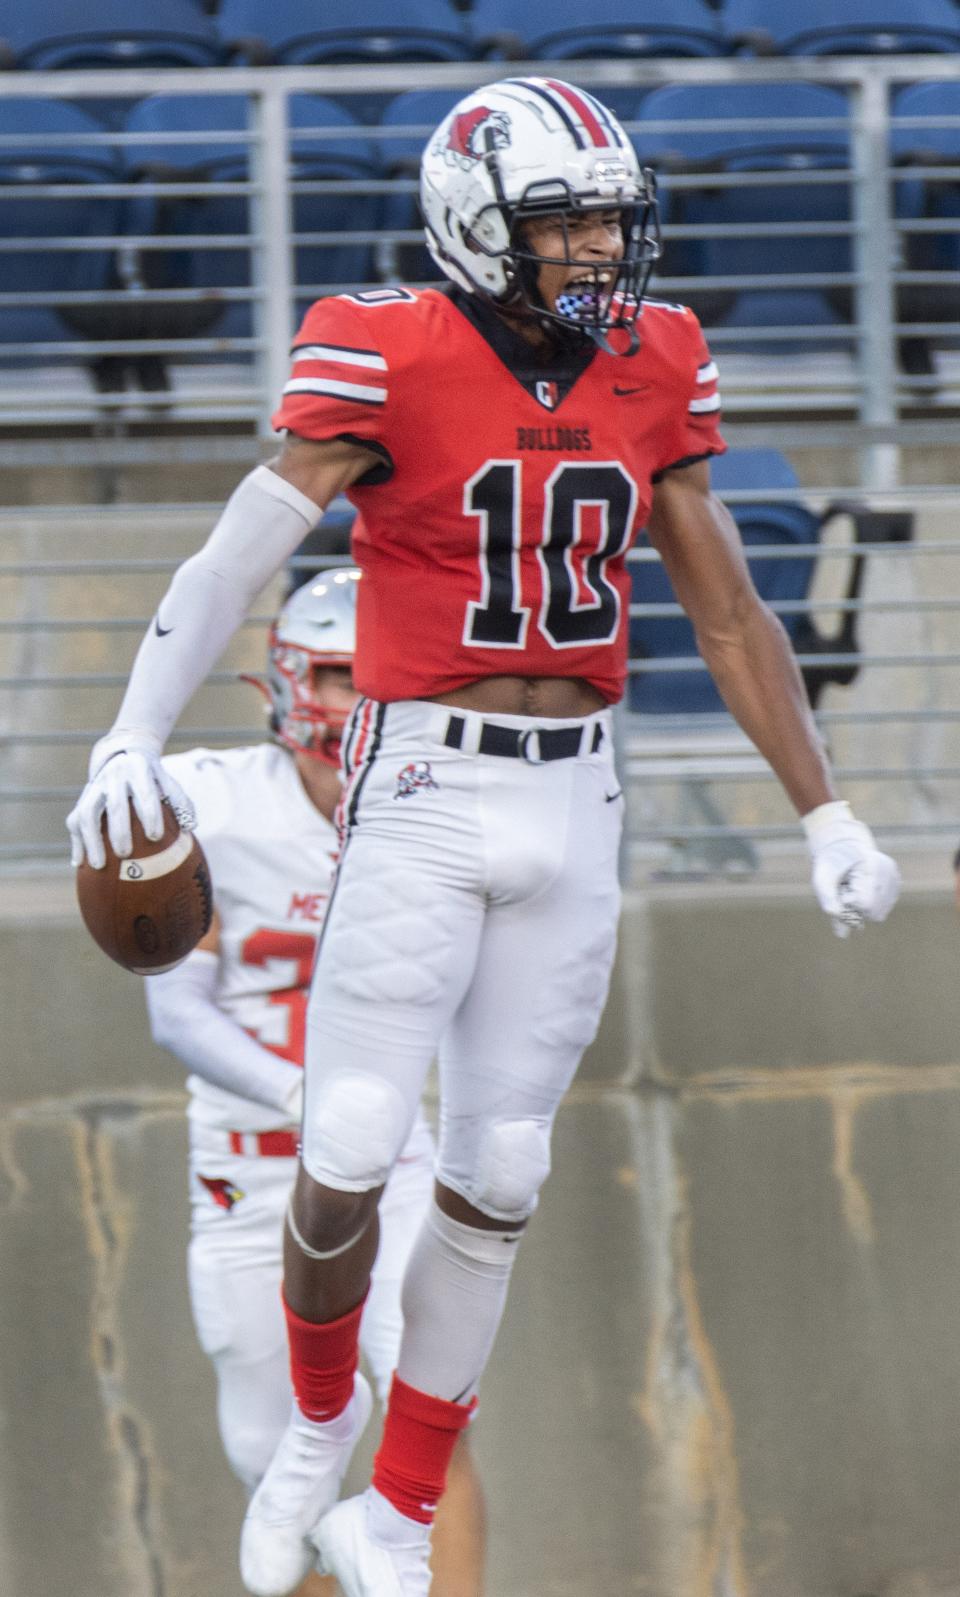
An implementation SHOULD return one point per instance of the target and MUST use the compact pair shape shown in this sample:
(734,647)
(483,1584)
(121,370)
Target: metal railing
(231,377)
(74,596)
(699,798)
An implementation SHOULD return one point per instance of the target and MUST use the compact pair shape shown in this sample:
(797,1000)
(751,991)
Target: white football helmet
(317,627)
(527,147)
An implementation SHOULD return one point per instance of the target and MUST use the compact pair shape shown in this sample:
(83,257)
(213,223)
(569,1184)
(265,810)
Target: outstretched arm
(266,518)
(742,642)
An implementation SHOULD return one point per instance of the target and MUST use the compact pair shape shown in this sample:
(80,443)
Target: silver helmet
(525,148)
(316,628)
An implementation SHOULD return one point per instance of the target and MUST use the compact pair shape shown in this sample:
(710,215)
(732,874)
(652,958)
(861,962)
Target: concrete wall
(730,1365)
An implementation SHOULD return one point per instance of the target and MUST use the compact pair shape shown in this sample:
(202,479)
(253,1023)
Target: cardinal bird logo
(414,778)
(223,1193)
(467,135)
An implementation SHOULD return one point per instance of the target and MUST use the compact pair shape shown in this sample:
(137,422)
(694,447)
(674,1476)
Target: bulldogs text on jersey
(499,545)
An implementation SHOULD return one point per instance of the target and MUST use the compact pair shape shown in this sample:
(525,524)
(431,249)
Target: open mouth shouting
(584,295)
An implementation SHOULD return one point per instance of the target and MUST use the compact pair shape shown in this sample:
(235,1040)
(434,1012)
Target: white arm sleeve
(262,523)
(186,1018)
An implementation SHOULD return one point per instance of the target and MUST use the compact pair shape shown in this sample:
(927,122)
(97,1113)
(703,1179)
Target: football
(148,911)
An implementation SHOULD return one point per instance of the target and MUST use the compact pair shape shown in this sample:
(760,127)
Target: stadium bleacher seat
(852,27)
(300,32)
(400,158)
(47,271)
(568,30)
(693,692)
(778,580)
(697,156)
(926,199)
(45,35)
(198,266)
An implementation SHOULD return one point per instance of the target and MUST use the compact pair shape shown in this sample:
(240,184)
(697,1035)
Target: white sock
(339,1429)
(454,1294)
(389,1528)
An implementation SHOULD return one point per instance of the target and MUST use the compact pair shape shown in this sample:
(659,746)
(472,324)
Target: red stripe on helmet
(578,104)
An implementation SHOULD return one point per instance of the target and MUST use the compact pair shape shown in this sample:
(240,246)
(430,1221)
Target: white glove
(853,881)
(124,766)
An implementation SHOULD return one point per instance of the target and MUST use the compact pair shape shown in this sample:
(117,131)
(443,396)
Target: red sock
(323,1361)
(419,1435)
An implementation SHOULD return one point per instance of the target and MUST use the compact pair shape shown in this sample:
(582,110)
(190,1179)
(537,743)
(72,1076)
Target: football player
(234,1012)
(504,439)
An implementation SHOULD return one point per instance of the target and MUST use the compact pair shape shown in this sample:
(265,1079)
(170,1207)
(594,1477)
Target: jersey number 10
(571,564)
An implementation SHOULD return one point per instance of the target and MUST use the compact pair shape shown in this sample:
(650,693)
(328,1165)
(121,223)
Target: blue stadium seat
(693,692)
(81,215)
(400,158)
(695,154)
(778,580)
(756,321)
(851,27)
(567,29)
(295,32)
(47,34)
(926,199)
(349,158)
(922,199)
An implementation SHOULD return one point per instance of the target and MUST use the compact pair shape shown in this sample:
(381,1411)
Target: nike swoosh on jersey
(641,389)
(608,798)
(162,632)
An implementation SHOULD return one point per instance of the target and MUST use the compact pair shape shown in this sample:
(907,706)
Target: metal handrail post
(874,245)
(272,249)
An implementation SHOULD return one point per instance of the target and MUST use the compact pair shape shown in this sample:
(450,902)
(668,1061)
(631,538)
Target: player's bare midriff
(553,698)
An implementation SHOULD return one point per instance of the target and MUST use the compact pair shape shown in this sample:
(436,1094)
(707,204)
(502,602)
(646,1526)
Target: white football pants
(473,920)
(235,1273)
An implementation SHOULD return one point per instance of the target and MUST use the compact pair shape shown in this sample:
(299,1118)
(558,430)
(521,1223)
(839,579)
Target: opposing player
(235,1013)
(504,441)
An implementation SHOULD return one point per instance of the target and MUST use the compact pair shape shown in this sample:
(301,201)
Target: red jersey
(493,537)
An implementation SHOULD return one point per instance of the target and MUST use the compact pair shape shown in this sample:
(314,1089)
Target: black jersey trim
(332,388)
(377,474)
(685,460)
(344,349)
(561,366)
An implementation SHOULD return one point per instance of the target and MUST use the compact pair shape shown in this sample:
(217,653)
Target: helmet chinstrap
(613,288)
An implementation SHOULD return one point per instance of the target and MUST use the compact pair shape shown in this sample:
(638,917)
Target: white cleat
(302,1481)
(364,1567)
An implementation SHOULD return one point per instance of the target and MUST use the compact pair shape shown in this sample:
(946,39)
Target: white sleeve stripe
(335,390)
(341,355)
(708,373)
(699,406)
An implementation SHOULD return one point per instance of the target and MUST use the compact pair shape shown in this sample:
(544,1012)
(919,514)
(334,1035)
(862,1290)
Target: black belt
(537,745)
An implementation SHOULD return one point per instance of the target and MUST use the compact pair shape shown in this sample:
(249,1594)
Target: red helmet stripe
(580,106)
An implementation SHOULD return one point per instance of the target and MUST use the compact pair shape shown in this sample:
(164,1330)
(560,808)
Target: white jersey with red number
(271,856)
(493,535)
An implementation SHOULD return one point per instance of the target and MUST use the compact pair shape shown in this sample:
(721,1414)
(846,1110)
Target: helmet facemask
(607,294)
(299,718)
(314,632)
(525,149)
